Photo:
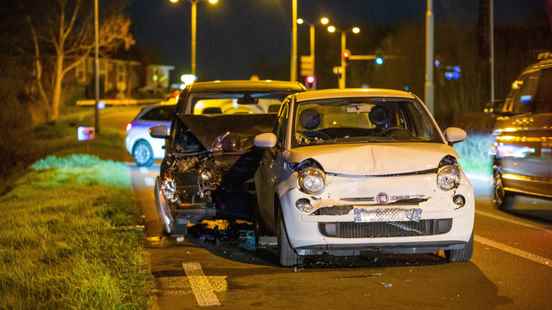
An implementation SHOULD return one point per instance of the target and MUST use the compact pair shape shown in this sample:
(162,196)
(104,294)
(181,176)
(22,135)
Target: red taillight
(128,127)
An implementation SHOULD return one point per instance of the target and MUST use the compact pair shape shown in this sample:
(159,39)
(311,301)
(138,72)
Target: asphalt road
(511,268)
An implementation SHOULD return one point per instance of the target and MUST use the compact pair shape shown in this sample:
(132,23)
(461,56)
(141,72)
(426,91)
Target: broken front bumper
(438,222)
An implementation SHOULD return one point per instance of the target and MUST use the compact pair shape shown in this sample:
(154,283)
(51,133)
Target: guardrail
(119,102)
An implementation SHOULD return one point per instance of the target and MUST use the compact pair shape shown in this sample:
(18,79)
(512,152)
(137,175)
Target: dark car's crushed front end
(210,169)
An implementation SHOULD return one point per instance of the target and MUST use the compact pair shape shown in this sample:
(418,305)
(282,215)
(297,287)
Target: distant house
(123,78)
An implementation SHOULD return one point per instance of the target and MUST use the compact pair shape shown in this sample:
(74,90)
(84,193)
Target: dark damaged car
(210,158)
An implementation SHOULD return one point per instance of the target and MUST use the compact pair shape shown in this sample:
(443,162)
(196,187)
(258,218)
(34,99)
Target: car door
(520,144)
(269,168)
(542,119)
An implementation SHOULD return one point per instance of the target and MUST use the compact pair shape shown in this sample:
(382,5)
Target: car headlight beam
(312,180)
(448,177)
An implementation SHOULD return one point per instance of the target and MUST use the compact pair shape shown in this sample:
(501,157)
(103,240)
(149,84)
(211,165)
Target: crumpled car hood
(374,159)
(238,130)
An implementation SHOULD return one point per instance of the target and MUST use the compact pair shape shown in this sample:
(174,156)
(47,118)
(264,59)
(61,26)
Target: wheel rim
(142,153)
(499,189)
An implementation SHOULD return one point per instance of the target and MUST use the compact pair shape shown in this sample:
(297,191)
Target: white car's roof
(353,92)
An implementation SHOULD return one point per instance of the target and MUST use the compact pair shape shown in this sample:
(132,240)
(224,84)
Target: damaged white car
(347,171)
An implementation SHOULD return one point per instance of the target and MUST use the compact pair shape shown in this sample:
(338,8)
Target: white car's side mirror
(455,135)
(160,132)
(265,140)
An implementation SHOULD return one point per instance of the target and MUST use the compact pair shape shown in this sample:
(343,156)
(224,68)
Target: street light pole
(293,60)
(96,67)
(429,87)
(193,44)
(312,39)
(492,49)
(343,76)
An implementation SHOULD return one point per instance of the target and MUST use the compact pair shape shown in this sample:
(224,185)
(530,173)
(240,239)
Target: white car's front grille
(385,229)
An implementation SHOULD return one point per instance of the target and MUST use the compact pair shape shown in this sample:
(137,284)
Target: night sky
(237,38)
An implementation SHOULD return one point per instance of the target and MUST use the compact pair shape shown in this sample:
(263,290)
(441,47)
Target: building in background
(120,79)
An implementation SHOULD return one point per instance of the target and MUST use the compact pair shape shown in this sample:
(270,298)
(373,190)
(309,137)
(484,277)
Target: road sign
(86,133)
(307,66)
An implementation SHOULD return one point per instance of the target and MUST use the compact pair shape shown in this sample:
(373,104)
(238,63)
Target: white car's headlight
(312,180)
(448,177)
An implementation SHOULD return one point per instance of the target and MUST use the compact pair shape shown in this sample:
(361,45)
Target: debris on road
(386,285)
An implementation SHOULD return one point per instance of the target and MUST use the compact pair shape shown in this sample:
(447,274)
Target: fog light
(304,205)
(459,200)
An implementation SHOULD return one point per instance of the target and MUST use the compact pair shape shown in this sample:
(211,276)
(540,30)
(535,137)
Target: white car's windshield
(357,120)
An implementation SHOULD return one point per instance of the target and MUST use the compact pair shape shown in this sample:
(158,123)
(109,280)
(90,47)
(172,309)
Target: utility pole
(343,76)
(293,60)
(193,44)
(492,49)
(96,67)
(429,36)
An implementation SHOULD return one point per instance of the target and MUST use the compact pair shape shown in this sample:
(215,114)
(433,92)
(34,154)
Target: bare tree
(63,34)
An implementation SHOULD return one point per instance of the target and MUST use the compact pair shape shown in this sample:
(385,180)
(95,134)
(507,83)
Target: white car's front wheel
(288,256)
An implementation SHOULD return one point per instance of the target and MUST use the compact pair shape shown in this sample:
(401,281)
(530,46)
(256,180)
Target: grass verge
(61,240)
(65,241)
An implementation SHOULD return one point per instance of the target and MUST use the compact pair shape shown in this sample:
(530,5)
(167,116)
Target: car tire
(461,255)
(164,211)
(288,256)
(142,154)
(501,197)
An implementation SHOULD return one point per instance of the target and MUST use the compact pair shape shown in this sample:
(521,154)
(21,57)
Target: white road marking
(201,287)
(509,220)
(514,251)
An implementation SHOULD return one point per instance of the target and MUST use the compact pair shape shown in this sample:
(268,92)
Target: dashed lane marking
(201,287)
(514,251)
(509,220)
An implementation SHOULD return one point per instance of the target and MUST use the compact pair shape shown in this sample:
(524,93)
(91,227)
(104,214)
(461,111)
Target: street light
(344,52)
(324,21)
(312,43)
(193,18)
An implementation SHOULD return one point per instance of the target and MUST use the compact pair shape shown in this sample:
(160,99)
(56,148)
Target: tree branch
(38,64)
(73,19)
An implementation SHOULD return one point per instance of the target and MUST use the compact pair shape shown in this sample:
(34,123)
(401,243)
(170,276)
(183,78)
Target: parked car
(523,135)
(354,170)
(210,158)
(139,143)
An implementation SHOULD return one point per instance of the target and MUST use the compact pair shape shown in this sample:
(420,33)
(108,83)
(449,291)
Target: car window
(543,100)
(524,99)
(281,125)
(354,120)
(159,114)
(236,102)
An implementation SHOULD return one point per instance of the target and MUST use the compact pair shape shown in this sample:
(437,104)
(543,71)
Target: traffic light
(310,82)
(346,54)
(379,60)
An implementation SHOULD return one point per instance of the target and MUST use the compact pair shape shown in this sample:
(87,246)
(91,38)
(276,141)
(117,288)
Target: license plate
(361,215)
